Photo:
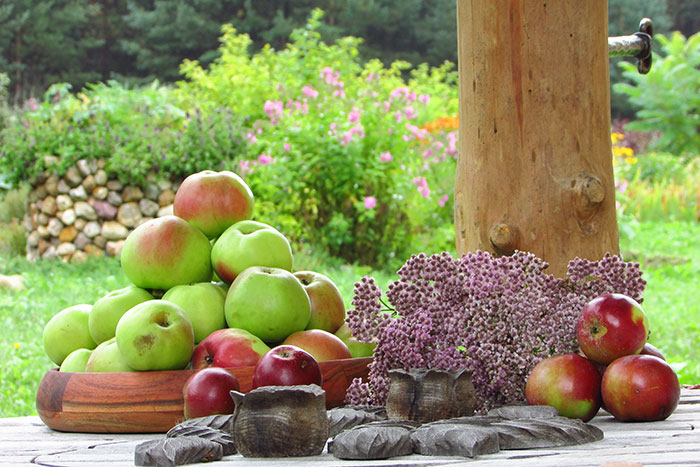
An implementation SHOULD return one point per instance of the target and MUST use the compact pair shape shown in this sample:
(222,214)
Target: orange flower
(449,123)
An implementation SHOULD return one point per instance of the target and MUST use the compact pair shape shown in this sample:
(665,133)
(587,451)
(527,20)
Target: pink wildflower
(244,167)
(354,116)
(265,159)
(422,184)
(399,92)
(386,156)
(409,111)
(273,108)
(370,202)
(424,98)
(443,200)
(309,91)
(287,146)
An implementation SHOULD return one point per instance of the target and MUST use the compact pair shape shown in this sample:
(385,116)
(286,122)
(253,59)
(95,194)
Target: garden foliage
(668,97)
(338,153)
(346,157)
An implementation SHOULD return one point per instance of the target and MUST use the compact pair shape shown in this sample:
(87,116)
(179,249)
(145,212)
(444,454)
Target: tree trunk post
(535,158)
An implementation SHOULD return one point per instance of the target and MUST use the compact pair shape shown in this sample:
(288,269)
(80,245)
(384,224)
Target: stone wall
(89,213)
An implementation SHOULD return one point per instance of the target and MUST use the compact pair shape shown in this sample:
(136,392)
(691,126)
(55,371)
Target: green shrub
(337,157)
(364,159)
(668,97)
(13,236)
(659,187)
(136,131)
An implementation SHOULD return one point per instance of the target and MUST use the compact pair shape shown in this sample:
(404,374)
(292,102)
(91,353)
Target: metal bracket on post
(637,45)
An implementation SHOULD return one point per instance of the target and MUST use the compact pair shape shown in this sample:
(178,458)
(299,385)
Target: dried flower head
(496,316)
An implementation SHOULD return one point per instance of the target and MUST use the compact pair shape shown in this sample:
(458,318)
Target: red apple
(213,201)
(327,304)
(611,326)
(228,348)
(208,392)
(650,349)
(286,365)
(640,388)
(569,382)
(322,345)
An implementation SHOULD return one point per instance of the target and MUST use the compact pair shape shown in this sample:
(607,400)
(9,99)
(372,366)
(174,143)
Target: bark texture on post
(535,166)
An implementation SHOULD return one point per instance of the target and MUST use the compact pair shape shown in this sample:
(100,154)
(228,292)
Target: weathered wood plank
(675,441)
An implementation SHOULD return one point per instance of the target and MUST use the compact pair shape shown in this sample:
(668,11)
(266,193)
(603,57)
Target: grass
(669,254)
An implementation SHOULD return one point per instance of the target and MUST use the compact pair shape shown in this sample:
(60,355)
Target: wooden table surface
(674,441)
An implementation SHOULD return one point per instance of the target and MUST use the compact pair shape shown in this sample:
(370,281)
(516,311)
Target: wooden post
(535,165)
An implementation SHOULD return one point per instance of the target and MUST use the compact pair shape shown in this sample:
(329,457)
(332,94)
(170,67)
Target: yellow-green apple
(640,388)
(203,303)
(228,348)
(76,361)
(67,331)
(322,345)
(155,335)
(286,365)
(357,349)
(208,392)
(267,302)
(569,382)
(246,244)
(164,252)
(106,311)
(213,201)
(327,305)
(107,358)
(611,326)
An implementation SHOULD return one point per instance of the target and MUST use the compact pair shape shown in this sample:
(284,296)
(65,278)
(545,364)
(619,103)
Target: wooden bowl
(149,401)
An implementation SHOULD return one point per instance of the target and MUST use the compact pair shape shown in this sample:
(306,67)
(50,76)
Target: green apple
(107,310)
(76,361)
(155,335)
(203,303)
(246,244)
(357,349)
(267,302)
(67,331)
(165,252)
(107,358)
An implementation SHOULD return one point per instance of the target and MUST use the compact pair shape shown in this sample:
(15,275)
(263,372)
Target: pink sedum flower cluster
(496,316)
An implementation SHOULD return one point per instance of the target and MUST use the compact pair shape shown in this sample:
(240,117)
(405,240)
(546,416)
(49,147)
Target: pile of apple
(618,371)
(210,287)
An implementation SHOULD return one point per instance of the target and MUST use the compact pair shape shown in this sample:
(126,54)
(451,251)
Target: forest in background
(43,42)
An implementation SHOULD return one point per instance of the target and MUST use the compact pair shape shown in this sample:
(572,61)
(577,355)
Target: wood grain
(535,162)
(149,402)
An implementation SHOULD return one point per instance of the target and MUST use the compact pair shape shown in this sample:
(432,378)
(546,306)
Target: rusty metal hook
(637,45)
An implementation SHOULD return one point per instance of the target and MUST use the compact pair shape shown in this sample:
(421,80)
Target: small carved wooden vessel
(280,421)
(149,401)
(426,395)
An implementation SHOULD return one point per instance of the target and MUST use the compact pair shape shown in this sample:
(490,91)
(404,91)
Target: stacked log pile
(87,212)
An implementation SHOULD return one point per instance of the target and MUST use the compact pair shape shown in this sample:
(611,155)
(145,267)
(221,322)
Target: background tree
(163,33)
(80,41)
